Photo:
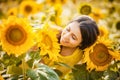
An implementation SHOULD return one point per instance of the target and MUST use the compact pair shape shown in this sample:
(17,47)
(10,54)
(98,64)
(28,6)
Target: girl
(79,34)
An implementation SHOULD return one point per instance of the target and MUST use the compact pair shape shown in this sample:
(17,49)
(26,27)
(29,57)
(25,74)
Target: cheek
(75,43)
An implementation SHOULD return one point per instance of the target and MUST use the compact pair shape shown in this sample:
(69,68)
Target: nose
(67,36)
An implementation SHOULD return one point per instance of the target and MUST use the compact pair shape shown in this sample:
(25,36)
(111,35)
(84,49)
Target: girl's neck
(66,51)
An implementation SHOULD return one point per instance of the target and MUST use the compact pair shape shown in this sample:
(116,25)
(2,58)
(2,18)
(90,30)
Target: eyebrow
(73,33)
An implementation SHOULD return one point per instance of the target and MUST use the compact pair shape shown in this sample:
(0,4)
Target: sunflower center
(86,9)
(97,15)
(53,1)
(118,25)
(52,18)
(100,55)
(47,40)
(11,13)
(16,35)
(28,8)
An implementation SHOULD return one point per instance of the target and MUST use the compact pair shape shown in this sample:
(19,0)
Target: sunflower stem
(24,68)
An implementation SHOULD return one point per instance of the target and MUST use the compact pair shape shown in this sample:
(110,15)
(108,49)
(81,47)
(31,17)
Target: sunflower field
(28,33)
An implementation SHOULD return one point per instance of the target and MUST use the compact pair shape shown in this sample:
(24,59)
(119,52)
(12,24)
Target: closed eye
(74,37)
(68,29)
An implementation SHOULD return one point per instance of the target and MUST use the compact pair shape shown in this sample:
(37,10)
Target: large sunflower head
(12,12)
(85,9)
(28,7)
(17,36)
(48,42)
(99,55)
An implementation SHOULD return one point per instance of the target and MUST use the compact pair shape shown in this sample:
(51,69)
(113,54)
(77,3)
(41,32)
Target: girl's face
(71,35)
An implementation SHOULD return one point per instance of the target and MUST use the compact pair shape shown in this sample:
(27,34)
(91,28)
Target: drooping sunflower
(100,55)
(17,36)
(12,12)
(85,9)
(48,42)
(28,7)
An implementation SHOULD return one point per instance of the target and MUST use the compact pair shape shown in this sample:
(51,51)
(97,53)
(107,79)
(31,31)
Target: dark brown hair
(89,31)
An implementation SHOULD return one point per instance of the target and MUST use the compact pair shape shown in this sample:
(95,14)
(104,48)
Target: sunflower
(1,78)
(58,9)
(1,26)
(28,7)
(0,33)
(48,42)
(55,19)
(17,36)
(97,14)
(103,31)
(85,9)
(55,16)
(52,2)
(63,1)
(12,12)
(116,25)
(100,55)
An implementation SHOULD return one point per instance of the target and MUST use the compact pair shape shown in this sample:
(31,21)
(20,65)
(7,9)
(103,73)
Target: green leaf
(8,60)
(14,70)
(47,72)
(42,72)
(111,75)
(30,62)
(80,72)
(34,55)
(96,75)
(32,74)
(1,67)
(58,72)
(63,64)
(0,48)
(14,77)
(43,76)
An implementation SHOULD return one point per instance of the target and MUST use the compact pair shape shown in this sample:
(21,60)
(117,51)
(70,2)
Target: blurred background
(106,13)
(60,12)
